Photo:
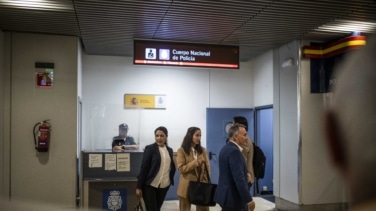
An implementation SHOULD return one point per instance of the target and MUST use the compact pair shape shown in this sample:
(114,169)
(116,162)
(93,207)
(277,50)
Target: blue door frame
(264,139)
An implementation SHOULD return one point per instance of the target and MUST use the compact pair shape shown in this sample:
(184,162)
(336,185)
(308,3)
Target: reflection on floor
(261,205)
(269,197)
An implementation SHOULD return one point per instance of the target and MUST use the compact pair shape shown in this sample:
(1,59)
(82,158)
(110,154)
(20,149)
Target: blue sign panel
(114,199)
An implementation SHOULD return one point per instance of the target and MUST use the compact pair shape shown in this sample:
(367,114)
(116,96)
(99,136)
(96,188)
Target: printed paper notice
(110,162)
(95,160)
(123,162)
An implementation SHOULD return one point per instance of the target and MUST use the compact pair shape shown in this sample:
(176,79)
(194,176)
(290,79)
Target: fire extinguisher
(41,133)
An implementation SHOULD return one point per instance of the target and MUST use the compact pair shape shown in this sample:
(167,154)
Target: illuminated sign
(148,52)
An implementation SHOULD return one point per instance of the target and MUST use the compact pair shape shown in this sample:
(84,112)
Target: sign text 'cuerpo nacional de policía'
(148,52)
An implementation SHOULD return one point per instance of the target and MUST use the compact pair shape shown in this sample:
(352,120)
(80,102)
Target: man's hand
(130,147)
(138,192)
(251,206)
(249,178)
(117,147)
(200,160)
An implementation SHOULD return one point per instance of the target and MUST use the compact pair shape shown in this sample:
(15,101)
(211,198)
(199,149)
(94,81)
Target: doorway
(264,139)
(216,135)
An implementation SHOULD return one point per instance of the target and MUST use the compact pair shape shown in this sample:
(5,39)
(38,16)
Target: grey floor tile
(261,205)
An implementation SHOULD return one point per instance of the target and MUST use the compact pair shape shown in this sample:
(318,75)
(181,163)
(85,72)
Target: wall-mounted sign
(148,52)
(145,101)
(334,48)
(324,58)
(114,199)
(44,75)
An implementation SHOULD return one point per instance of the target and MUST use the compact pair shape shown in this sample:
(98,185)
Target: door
(264,139)
(216,121)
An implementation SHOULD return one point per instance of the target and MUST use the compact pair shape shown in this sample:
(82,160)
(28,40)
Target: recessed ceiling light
(347,26)
(38,4)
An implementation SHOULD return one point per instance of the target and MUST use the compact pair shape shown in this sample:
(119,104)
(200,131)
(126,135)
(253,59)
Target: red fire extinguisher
(41,134)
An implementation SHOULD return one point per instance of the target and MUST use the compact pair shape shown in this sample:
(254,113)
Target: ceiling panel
(108,27)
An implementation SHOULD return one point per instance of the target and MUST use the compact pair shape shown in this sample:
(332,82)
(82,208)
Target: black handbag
(200,193)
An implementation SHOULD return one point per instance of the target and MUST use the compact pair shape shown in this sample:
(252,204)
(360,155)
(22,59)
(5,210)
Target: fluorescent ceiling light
(347,26)
(38,4)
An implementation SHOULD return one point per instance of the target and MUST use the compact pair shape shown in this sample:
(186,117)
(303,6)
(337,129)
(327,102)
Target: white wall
(262,68)
(286,124)
(79,69)
(189,92)
(79,97)
(231,88)
(41,177)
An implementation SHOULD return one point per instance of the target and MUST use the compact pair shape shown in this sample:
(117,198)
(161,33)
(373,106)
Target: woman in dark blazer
(157,171)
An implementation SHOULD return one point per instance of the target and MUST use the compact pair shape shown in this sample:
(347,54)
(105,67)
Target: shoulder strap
(207,172)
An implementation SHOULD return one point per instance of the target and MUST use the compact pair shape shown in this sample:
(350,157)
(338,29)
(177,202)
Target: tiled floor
(261,205)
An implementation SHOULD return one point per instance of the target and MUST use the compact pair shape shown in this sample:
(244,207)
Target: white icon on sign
(164,54)
(150,53)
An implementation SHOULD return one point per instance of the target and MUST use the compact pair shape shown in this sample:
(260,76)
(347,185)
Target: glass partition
(102,124)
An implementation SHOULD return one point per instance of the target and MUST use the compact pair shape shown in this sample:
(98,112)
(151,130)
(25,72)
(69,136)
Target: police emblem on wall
(114,199)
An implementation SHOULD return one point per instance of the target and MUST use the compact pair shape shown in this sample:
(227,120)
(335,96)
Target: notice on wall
(148,101)
(110,162)
(123,162)
(44,74)
(95,160)
(44,77)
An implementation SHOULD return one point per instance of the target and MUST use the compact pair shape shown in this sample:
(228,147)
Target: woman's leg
(161,195)
(149,194)
(184,204)
(202,208)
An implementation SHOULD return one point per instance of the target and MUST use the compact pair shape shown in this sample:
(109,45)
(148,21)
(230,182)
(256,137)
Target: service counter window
(110,127)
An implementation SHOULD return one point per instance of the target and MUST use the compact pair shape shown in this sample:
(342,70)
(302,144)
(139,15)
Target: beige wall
(45,177)
(2,65)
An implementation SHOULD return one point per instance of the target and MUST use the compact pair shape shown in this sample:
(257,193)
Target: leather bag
(201,193)
(140,205)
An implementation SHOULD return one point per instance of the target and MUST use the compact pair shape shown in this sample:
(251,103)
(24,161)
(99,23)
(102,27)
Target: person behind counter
(190,159)
(157,171)
(123,141)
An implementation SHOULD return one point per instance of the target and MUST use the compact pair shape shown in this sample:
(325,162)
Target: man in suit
(232,192)
(248,150)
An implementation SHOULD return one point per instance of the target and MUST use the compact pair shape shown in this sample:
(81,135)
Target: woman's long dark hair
(188,139)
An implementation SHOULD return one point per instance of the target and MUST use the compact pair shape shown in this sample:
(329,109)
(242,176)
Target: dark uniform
(119,141)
